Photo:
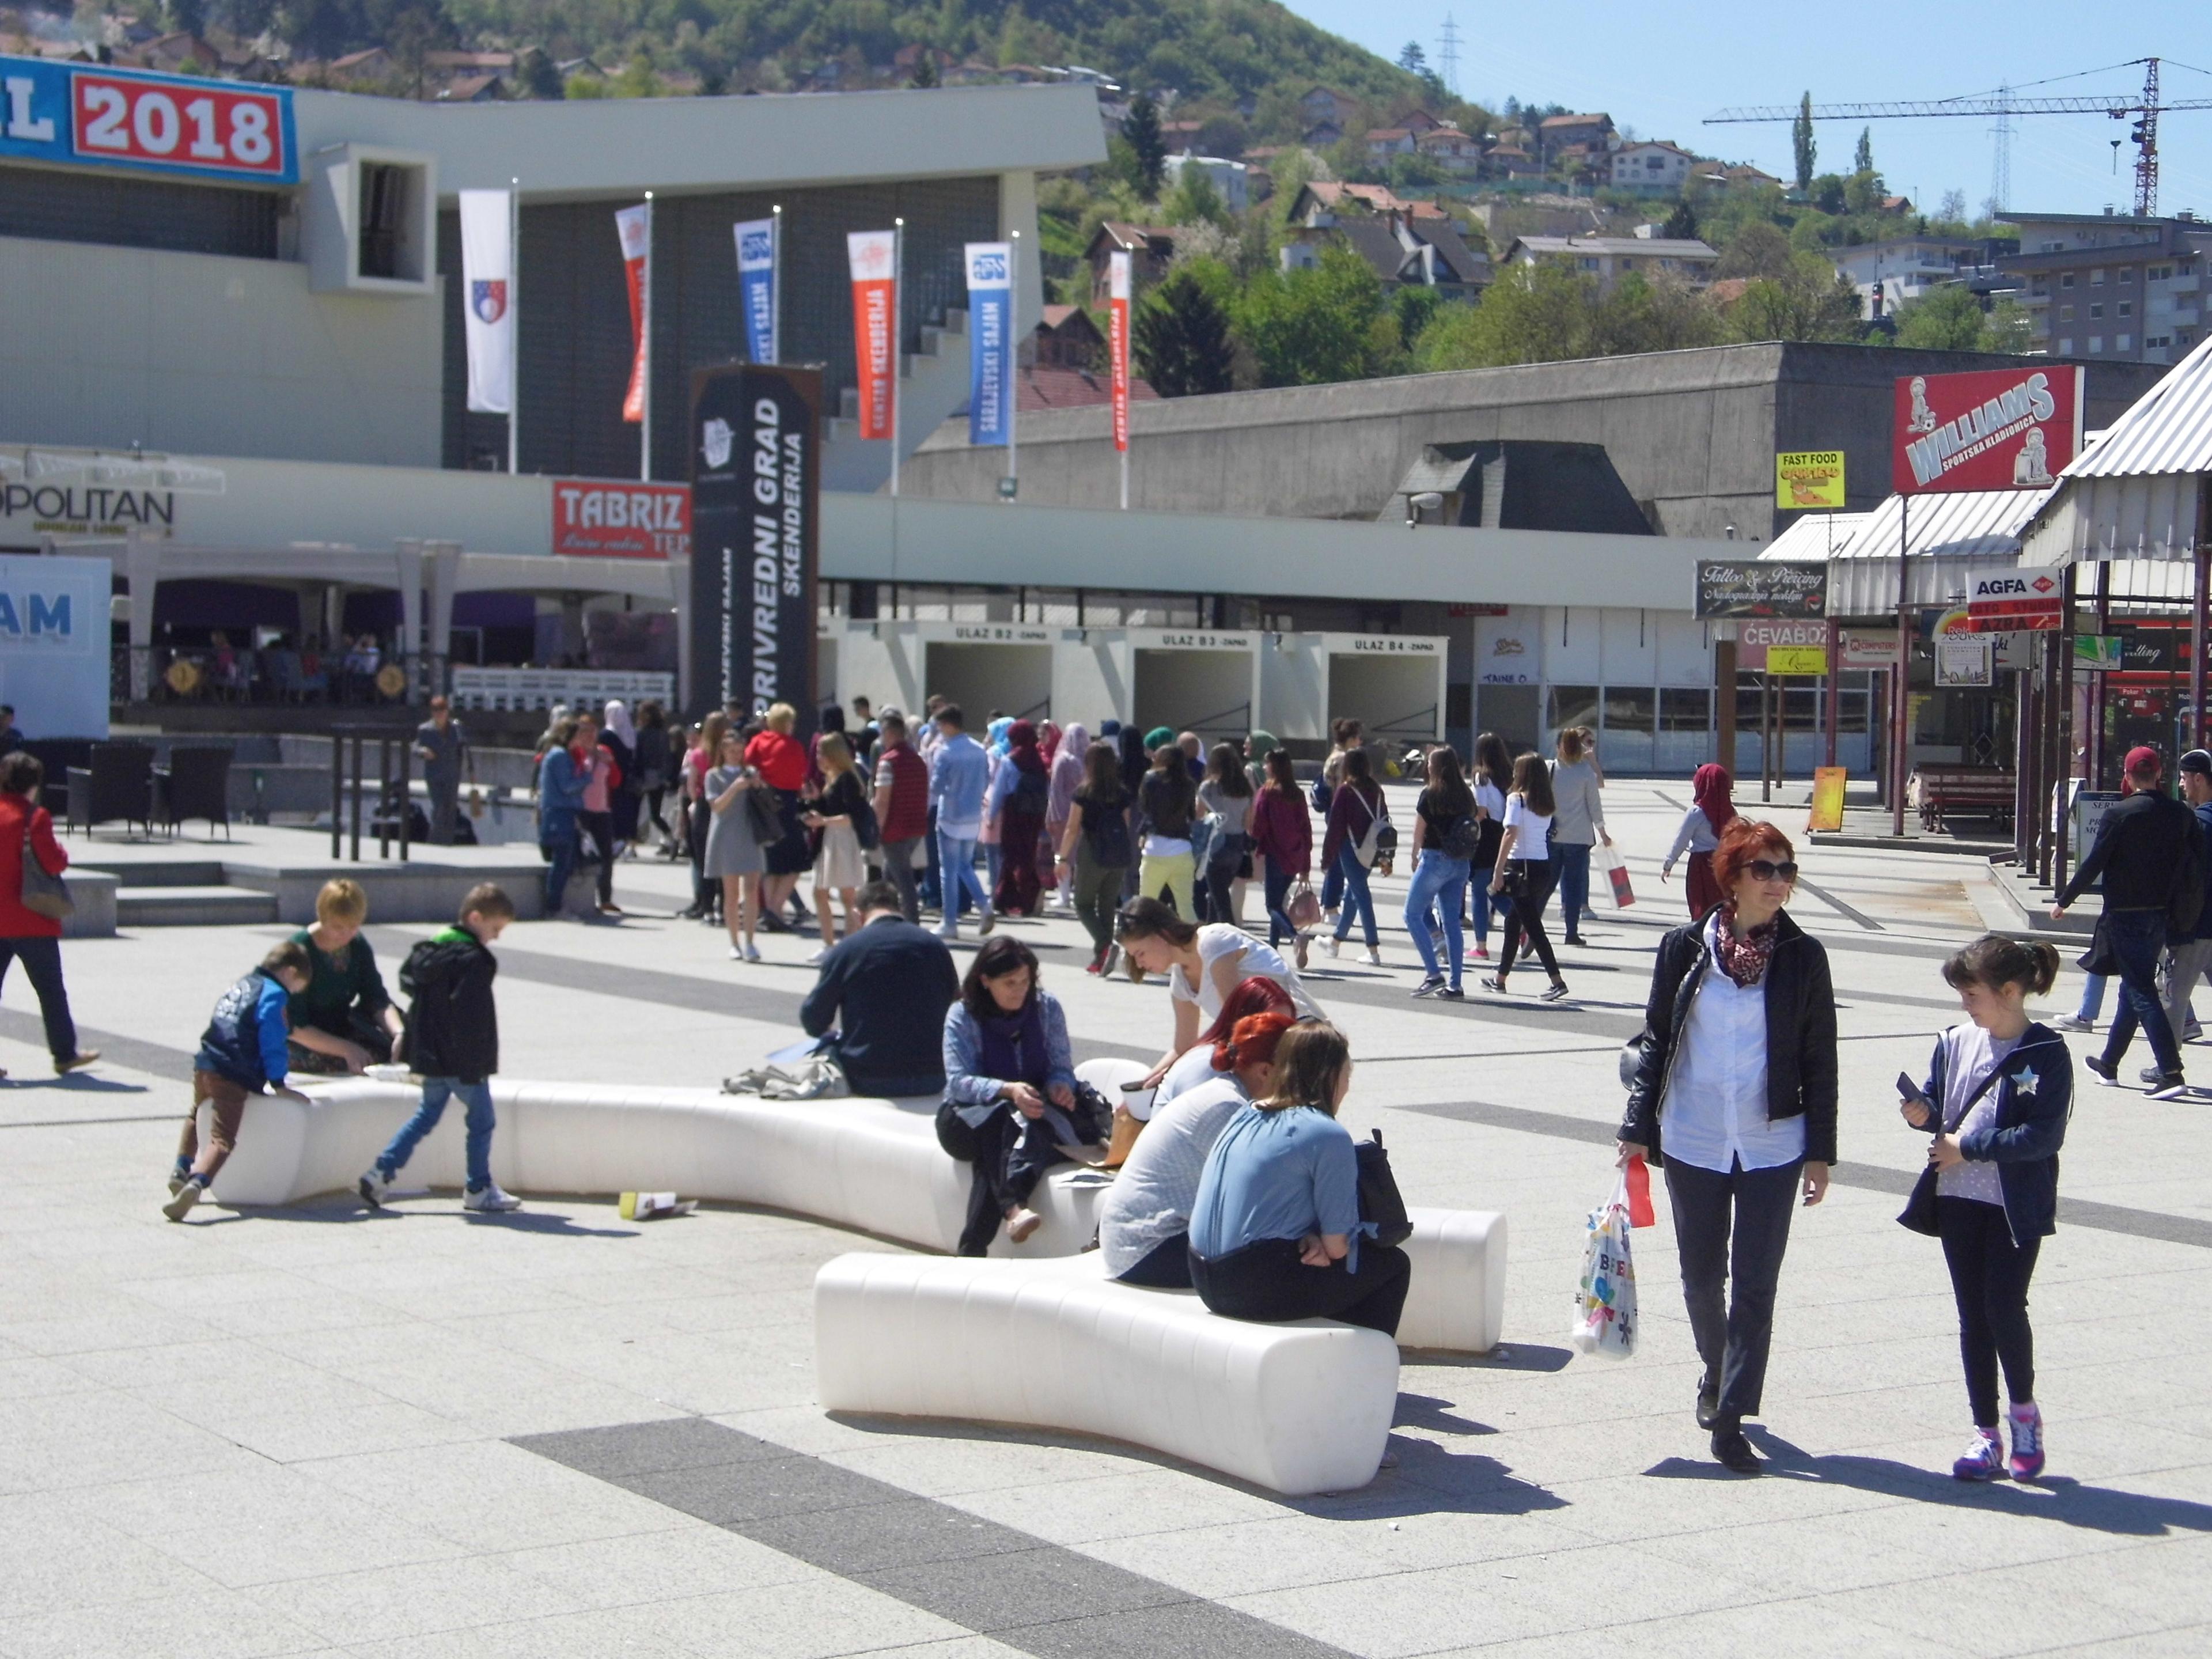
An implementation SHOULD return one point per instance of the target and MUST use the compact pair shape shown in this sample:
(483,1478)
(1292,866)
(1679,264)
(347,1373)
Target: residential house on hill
(1402,250)
(1455,151)
(1651,164)
(1149,247)
(1511,161)
(373,64)
(1320,201)
(474,89)
(1609,259)
(1066,337)
(1384,142)
(2111,286)
(1323,104)
(1556,132)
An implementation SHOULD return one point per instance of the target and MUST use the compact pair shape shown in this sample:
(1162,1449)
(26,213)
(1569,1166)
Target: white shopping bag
(1605,1305)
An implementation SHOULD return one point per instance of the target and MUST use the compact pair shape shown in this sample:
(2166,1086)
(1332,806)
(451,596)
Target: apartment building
(2112,286)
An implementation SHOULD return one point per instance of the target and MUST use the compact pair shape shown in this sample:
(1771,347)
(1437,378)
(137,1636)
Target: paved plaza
(324,1431)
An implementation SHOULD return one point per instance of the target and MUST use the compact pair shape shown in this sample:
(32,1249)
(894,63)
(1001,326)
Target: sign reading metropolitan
(1761,587)
(88,114)
(755,519)
(2002,429)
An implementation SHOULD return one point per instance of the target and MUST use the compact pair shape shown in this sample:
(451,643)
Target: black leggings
(42,965)
(706,896)
(1528,919)
(1989,1276)
(652,800)
(1265,1281)
(598,828)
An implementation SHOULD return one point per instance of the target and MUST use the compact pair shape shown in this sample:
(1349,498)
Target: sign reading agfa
(2013,601)
(2004,428)
(53,645)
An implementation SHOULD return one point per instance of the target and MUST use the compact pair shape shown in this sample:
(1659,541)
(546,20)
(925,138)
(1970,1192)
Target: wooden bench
(1969,791)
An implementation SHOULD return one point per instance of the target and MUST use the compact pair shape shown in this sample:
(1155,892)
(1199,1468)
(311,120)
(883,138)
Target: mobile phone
(1136,1088)
(1912,1091)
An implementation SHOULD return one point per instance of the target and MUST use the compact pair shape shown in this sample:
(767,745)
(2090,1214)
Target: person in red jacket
(35,941)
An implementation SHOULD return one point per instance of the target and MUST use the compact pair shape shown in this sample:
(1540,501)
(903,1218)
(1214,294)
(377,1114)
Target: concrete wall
(112,346)
(1692,434)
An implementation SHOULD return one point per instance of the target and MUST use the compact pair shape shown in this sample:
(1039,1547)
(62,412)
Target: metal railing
(394,798)
(277,676)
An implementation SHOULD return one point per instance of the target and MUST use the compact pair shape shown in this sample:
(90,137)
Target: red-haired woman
(1738,1078)
(1256,995)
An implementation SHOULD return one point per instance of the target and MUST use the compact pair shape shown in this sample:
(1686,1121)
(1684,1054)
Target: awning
(2137,492)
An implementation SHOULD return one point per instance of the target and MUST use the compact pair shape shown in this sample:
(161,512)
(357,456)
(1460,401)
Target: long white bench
(1297,1408)
(870,1164)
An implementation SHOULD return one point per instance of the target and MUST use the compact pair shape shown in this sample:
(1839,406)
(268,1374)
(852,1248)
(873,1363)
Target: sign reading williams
(755,526)
(1761,587)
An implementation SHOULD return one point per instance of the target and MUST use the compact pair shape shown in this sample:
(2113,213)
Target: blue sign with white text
(990,344)
(756,286)
(89,114)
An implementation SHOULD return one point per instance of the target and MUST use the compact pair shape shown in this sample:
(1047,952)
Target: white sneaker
(947,933)
(2074,1023)
(1332,943)
(490,1199)
(984,926)
(1371,957)
(181,1202)
(752,951)
(817,956)
(373,1187)
(737,953)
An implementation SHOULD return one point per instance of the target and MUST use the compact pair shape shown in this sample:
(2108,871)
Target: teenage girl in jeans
(1525,861)
(1355,807)
(2004,1087)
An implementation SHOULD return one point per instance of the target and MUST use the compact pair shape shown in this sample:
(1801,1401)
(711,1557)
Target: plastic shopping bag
(1605,1305)
(1616,872)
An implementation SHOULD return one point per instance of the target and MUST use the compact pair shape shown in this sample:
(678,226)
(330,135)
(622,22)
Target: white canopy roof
(2137,492)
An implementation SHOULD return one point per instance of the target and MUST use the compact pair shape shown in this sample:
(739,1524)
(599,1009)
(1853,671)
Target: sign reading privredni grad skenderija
(755,528)
(1761,587)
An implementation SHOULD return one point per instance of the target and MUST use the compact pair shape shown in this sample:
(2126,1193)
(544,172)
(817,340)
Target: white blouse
(1714,1115)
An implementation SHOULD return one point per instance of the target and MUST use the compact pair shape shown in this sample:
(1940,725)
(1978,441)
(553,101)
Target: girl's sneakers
(1333,945)
(2027,1442)
(1476,953)
(1984,1459)
(1430,987)
(1371,957)
(1557,992)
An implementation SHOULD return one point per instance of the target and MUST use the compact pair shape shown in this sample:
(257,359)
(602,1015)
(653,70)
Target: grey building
(2112,287)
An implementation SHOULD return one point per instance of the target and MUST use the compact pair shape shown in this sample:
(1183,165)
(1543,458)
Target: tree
(1828,193)
(1536,313)
(1322,323)
(1413,59)
(1759,249)
(1681,224)
(1181,336)
(1148,150)
(1863,158)
(925,70)
(1802,146)
(1641,315)
(188,16)
(534,70)
(1808,302)
(1412,308)
(1193,201)
(1946,319)
(1953,209)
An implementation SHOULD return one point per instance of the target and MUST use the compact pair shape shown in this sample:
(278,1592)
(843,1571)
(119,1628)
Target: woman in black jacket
(1738,999)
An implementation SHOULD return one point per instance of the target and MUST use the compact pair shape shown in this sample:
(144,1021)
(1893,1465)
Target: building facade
(2109,287)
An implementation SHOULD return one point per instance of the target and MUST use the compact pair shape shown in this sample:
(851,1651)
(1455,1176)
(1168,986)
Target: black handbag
(763,815)
(1381,1205)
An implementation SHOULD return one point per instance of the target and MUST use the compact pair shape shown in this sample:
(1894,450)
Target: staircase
(932,383)
(186,893)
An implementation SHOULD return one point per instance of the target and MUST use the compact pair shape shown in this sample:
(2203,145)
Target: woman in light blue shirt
(1274,1233)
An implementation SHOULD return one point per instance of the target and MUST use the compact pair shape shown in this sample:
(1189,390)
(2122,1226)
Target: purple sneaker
(1984,1458)
(2027,1442)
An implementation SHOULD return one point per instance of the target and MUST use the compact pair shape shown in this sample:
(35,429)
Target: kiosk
(1392,684)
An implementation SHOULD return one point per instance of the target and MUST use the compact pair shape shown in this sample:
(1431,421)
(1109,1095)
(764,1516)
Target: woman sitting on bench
(1009,1099)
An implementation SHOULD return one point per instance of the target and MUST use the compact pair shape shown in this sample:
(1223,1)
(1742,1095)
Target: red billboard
(2000,428)
(595,518)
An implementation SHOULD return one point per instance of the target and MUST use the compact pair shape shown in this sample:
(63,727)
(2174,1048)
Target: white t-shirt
(1218,940)
(1535,830)
(1194,1068)
(1490,798)
(1151,1199)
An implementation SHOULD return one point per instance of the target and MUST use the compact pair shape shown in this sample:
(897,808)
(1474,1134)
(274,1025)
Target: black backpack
(1106,831)
(865,826)
(1463,838)
(1380,1202)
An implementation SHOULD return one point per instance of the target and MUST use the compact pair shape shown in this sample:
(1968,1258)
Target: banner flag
(990,344)
(756,286)
(488,272)
(634,226)
(1117,343)
(873,253)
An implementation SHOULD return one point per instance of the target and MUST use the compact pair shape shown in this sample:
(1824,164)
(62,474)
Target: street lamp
(1427,501)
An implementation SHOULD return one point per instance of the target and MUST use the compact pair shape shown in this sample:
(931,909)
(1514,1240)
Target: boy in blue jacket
(244,1050)
(451,1042)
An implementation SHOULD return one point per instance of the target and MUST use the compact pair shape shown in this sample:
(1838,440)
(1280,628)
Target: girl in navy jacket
(1999,1091)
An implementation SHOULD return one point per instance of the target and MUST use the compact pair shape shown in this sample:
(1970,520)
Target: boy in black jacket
(452,1043)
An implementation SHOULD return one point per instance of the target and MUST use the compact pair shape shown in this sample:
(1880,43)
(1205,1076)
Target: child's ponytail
(1996,960)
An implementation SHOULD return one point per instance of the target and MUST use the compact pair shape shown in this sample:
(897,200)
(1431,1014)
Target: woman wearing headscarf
(995,746)
(1713,790)
(1136,761)
(1066,759)
(1021,790)
(619,734)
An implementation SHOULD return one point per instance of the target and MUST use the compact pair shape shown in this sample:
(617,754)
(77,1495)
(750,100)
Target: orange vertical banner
(1117,343)
(873,253)
(633,226)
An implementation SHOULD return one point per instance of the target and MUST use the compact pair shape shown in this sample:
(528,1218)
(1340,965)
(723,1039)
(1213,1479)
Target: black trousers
(898,869)
(1166,1265)
(598,828)
(1989,1276)
(1266,1282)
(706,896)
(42,961)
(1733,1226)
(1526,920)
(1007,1155)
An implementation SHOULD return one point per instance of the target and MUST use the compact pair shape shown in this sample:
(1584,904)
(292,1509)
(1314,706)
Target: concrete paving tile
(1403,1614)
(415,1599)
(832,1617)
(955,1462)
(23,1377)
(67,1441)
(203,1623)
(691,1559)
(1996,1614)
(2182,1641)
(1811,1630)
(54,1557)
(1083,1512)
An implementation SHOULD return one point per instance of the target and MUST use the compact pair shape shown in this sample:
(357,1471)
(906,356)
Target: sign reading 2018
(88,114)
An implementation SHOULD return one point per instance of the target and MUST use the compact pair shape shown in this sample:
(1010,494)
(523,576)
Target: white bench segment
(1298,1408)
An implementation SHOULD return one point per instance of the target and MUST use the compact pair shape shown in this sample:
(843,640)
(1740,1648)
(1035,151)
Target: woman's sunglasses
(1767,870)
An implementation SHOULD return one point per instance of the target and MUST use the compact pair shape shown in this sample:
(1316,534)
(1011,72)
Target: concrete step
(177,906)
(162,872)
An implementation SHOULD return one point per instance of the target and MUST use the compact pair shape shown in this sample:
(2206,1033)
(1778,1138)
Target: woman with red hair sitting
(1738,1077)
(1194,1065)
(1144,1225)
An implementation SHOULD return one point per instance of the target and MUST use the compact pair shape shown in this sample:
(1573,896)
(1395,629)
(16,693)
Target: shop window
(1685,736)
(1570,705)
(1631,714)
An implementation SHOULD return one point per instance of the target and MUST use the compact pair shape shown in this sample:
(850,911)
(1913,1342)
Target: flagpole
(1014,351)
(775,283)
(645,353)
(898,297)
(515,345)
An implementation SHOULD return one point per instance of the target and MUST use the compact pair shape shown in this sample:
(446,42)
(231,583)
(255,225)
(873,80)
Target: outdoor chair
(196,784)
(119,784)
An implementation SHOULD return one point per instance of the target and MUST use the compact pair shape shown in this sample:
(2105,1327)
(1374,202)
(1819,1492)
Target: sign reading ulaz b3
(1761,587)
(88,114)
(755,491)
(2005,429)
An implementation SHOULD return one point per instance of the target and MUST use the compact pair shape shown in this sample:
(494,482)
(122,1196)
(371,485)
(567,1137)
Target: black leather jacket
(1800,1035)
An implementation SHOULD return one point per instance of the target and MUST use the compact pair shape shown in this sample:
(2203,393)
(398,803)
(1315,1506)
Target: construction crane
(2004,105)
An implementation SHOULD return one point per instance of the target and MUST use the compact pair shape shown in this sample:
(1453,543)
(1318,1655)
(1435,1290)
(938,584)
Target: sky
(1660,71)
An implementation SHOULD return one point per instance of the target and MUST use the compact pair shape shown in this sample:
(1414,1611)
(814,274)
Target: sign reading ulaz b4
(596,517)
(2005,429)
(87,114)
(756,496)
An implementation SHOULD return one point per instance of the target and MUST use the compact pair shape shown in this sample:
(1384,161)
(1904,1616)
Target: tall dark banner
(756,532)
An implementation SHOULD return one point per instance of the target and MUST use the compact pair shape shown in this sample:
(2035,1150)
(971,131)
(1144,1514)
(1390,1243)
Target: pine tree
(1140,131)
(1681,224)
(1862,161)
(1181,337)
(1801,142)
(1413,59)
(925,70)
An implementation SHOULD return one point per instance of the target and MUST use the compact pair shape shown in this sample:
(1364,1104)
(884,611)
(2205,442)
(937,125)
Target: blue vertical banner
(756,286)
(990,344)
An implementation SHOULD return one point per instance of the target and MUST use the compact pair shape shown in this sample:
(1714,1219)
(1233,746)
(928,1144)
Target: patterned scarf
(1742,957)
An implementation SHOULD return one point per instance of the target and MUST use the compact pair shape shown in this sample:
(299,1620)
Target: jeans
(1166,1265)
(1356,898)
(445,808)
(2186,963)
(955,863)
(1989,1276)
(898,869)
(933,890)
(1332,887)
(2137,937)
(2093,1000)
(1439,883)
(1228,854)
(42,962)
(1572,860)
(556,839)
(1277,888)
(1485,903)
(1732,1227)
(1266,1282)
(476,1100)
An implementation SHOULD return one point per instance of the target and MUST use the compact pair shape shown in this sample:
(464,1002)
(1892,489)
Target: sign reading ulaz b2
(756,489)
(1761,587)
(2005,429)
(87,114)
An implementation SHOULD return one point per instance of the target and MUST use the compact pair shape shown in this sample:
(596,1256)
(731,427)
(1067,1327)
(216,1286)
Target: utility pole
(1448,55)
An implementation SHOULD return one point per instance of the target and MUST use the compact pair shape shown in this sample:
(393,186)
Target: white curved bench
(1298,1408)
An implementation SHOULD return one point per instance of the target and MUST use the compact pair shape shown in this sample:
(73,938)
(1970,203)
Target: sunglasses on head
(1768,870)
